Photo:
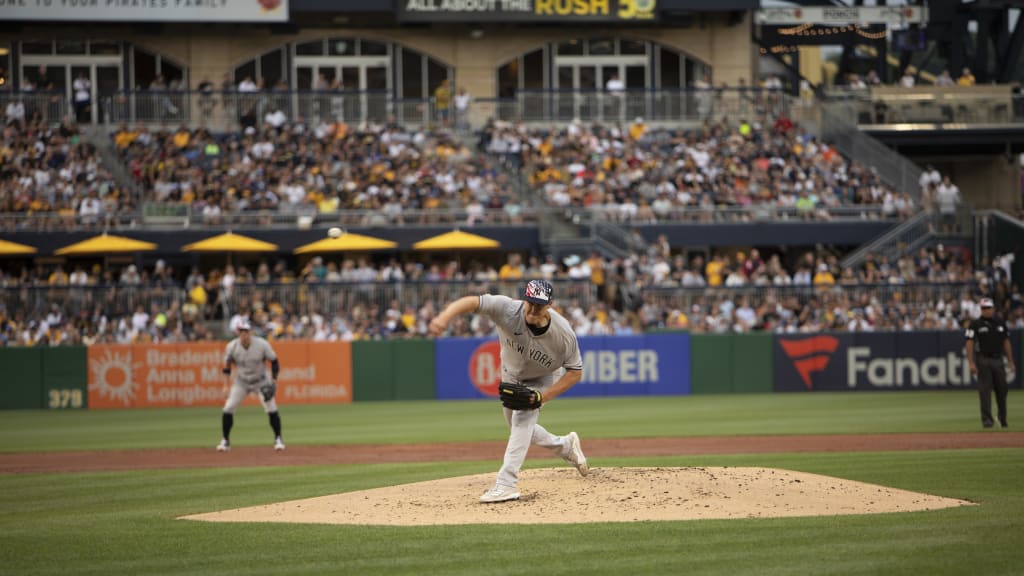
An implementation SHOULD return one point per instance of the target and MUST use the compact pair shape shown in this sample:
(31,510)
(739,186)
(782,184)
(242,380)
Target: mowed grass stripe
(455,421)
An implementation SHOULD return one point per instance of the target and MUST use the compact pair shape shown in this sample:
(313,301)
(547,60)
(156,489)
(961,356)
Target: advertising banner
(570,11)
(147,10)
(657,364)
(875,361)
(189,374)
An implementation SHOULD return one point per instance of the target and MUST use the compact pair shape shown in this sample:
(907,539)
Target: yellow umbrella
(456,240)
(15,249)
(346,242)
(230,242)
(105,244)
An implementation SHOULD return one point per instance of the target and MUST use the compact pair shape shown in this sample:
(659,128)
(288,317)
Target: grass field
(124,522)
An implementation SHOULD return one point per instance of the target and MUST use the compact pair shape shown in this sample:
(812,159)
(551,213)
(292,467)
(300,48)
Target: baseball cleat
(576,457)
(500,494)
(224,446)
(278,444)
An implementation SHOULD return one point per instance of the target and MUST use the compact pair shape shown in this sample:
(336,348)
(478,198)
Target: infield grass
(125,522)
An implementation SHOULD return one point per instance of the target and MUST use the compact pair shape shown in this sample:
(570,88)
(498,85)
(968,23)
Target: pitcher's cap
(986,303)
(243,325)
(538,292)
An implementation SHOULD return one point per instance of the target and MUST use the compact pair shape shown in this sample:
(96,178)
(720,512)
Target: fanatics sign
(526,10)
(146,10)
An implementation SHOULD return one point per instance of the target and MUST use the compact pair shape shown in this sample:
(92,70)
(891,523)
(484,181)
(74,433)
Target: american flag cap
(538,292)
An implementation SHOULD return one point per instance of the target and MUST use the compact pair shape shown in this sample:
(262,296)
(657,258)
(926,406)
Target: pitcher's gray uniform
(249,355)
(534,361)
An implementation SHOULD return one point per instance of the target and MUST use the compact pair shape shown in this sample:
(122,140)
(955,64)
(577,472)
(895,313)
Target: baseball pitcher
(536,343)
(249,355)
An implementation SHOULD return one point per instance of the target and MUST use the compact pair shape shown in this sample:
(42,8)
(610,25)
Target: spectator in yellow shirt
(713,270)
(824,276)
(966,78)
(512,269)
(124,137)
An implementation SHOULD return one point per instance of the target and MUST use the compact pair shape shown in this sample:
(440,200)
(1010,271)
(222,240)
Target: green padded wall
(414,369)
(372,371)
(65,378)
(21,378)
(710,363)
(752,363)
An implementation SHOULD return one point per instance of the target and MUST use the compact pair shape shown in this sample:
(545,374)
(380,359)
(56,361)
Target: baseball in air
(334,232)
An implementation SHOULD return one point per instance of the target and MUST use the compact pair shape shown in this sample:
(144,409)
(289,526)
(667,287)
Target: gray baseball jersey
(250,363)
(526,358)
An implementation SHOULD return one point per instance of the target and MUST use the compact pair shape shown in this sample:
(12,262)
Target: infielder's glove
(268,390)
(519,397)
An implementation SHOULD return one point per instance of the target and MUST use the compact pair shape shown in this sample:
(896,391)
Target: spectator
(908,79)
(82,88)
(944,79)
(966,78)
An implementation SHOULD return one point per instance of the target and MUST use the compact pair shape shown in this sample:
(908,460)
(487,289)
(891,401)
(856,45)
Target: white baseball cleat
(576,457)
(500,494)
(224,446)
(278,444)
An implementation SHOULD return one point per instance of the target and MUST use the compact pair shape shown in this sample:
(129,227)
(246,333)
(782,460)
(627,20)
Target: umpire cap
(538,292)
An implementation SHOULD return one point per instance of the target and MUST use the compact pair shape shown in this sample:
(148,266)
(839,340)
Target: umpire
(987,342)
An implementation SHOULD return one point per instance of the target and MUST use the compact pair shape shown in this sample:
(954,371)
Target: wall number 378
(65,398)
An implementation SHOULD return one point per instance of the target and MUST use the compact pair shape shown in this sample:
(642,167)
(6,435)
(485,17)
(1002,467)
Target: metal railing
(762,212)
(367,301)
(922,105)
(11,222)
(355,107)
(839,128)
(50,106)
(231,109)
(157,215)
(653,105)
(910,297)
(916,232)
(327,298)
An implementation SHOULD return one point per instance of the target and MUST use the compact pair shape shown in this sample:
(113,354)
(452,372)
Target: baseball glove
(268,390)
(519,397)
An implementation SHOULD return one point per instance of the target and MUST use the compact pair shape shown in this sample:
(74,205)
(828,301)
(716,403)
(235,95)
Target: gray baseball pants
(523,431)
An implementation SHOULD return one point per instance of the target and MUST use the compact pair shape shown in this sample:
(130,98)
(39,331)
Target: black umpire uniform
(987,342)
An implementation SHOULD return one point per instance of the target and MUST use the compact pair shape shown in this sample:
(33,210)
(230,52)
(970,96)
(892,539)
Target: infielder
(536,342)
(249,354)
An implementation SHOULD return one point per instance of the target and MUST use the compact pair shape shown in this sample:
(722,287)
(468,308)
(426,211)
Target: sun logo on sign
(112,377)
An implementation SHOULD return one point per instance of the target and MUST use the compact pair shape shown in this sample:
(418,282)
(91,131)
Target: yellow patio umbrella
(15,249)
(347,242)
(457,240)
(230,242)
(105,244)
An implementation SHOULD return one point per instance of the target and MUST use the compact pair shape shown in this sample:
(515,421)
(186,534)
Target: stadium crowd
(642,174)
(282,166)
(47,169)
(360,299)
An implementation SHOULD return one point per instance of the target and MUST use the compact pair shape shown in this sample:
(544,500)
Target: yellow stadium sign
(527,10)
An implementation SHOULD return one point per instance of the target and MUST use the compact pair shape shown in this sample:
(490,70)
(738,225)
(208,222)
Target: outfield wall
(660,364)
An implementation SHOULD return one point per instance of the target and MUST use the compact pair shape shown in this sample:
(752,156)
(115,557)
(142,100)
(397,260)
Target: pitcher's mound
(553,496)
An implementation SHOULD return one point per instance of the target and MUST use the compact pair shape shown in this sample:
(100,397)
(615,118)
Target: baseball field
(103,492)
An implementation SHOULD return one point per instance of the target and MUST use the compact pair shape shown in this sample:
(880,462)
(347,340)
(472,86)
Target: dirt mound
(561,496)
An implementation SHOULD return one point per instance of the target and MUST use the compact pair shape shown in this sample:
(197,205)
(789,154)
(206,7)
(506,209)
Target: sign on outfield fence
(875,361)
(189,374)
(656,364)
